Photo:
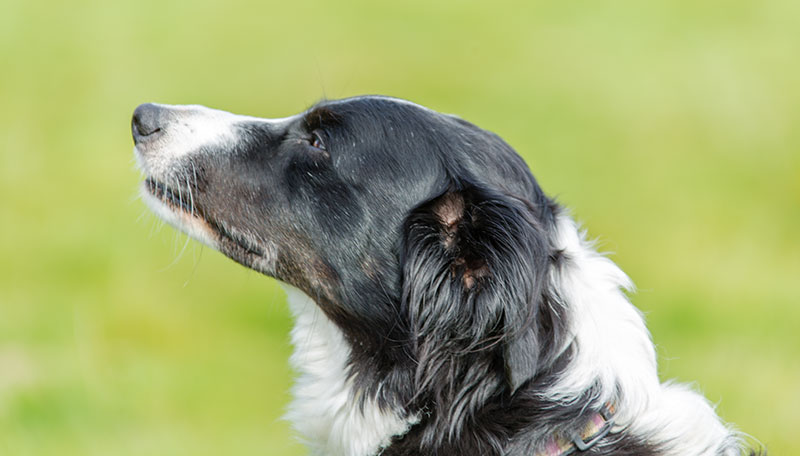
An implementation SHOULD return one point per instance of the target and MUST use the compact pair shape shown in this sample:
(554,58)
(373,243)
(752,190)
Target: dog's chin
(173,208)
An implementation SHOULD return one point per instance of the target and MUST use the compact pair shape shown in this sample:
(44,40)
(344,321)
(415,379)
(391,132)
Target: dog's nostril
(147,120)
(143,130)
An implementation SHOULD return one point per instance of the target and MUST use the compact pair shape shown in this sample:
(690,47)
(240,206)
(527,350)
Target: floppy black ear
(474,274)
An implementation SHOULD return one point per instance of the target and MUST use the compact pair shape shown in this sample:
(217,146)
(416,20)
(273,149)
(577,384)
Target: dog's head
(423,237)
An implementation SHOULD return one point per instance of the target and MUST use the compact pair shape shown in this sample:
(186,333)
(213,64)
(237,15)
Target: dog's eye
(316,140)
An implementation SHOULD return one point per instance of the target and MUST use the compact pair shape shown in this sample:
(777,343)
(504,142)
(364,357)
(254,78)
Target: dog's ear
(474,271)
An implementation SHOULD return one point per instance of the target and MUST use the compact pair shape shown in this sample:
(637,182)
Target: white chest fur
(326,410)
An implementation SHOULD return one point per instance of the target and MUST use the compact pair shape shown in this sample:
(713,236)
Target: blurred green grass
(669,127)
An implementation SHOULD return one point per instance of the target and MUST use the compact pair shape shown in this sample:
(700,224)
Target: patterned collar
(599,426)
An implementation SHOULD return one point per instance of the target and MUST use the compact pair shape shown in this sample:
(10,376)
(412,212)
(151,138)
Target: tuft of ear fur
(475,270)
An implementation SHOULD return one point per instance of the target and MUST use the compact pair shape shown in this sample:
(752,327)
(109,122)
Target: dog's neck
(325,410)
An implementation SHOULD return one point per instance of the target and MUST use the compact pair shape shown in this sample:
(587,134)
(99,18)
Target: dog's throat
(327,409)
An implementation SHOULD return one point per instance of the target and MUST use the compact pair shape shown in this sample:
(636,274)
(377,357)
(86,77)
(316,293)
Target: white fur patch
(325,410)
(614,346)
(687,423)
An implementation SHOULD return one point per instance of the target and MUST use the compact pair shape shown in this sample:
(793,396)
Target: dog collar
(598,427)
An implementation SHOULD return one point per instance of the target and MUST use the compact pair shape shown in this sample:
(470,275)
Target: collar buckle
(608,416)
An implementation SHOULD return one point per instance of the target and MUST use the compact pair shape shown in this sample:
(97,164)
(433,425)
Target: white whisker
(194,267)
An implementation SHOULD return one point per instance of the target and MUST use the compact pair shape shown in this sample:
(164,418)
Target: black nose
(147,122)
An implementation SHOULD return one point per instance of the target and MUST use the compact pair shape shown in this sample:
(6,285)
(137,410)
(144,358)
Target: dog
(443,303)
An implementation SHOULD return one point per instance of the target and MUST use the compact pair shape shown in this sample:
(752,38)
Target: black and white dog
(444,304)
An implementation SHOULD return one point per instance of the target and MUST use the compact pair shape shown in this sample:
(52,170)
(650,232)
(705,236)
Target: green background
(670,128)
